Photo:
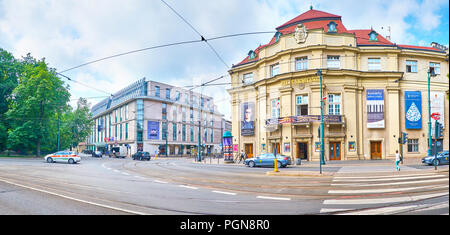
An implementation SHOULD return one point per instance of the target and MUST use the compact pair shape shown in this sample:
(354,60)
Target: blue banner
(152,130)
(413,110)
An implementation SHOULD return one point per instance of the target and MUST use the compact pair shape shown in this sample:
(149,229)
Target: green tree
(38,97)
(76,124)
(10,69)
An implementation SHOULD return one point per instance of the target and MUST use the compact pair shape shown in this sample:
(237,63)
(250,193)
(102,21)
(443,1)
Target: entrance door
(249,150)
(302,151)
(335,151)
(276,148)
(375,150)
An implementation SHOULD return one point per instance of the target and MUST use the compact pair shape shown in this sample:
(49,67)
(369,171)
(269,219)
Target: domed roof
(311,15)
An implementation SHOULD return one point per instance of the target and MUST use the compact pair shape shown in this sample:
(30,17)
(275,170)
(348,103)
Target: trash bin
(298,161)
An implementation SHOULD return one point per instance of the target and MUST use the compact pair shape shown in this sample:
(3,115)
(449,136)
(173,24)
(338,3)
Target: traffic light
(405,138)
(439,130)
(400,140)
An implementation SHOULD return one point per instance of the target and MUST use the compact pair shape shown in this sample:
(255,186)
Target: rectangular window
(206,135)
(248,78)
(164,130)
(274,70)
(157,91)
(126,112)
(334,104)
(183,114)
(174,113)
(212,135)
(411,66)
(275,108)
(192,115)
(126,131)
(436,67)
(301,102)
(174,132)
(121,136)
(374,64)
(177,96)
(194,101)
(192,134)
(186,98)
(413,145)
(168,93)
(164,111)
(333,62)
(184,132)
(301,64)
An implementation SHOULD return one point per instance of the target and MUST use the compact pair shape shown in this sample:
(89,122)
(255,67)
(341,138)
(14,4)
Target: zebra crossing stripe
(394,183)
(386,190)
(381,200)
(390,178)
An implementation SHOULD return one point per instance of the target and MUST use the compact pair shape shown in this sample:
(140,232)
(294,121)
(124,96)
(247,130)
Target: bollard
(275,169)
(156,156)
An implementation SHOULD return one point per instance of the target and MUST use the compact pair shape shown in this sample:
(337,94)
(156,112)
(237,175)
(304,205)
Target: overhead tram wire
(201,36)
(70,79)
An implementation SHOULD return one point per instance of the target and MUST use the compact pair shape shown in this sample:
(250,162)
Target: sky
(68,33)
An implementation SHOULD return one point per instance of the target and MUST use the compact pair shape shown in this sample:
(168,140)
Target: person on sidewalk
(397,160)
(242,158)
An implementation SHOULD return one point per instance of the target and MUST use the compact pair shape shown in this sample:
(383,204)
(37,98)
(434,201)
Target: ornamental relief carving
(301,33)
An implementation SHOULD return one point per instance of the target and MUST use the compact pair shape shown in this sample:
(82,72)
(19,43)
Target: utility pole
(59,121)
(322,160)
(430,74)
(199,129)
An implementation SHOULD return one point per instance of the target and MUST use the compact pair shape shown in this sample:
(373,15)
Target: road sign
(436,116)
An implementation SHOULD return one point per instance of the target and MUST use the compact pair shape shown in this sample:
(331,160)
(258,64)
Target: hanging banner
(437,106)
(152,130)
(375,108)
(248,119)
(413,110)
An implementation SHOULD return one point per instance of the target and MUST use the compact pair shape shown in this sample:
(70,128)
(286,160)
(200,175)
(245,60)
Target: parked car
(268,160)
(97,154)
(87,151)
(442,158)
(63,156)
(119,152)
(141,156)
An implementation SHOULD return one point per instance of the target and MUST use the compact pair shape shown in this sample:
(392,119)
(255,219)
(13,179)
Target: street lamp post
(322,160)
(430,74)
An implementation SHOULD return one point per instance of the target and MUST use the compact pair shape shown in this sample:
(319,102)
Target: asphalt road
(182,187)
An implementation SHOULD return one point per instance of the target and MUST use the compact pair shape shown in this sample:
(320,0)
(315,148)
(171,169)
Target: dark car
(97,154)
(442,158)
(268,160)
(141,156)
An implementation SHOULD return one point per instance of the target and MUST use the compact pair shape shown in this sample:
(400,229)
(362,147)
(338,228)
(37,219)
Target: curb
(299,174)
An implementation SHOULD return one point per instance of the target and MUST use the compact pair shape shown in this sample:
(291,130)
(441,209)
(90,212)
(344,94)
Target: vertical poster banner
(437,106)
(375,108)
(248,119)
(413,110)
(152,130)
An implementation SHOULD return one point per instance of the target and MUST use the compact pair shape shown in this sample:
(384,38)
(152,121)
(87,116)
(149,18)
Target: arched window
(251,55)
(373,36)
(332,27)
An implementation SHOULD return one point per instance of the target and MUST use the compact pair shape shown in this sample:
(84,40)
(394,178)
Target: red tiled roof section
(362,38)
(418,47)
(316,25)
(311,14)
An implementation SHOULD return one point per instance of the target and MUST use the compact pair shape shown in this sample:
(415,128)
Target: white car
(63,156)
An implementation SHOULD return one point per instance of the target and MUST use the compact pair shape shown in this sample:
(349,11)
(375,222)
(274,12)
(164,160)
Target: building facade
(373,90)
(157,118)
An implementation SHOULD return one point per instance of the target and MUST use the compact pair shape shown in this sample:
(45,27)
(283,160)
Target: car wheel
(279,165)
(49,160)
(436,162)
(251,164)
(71,161)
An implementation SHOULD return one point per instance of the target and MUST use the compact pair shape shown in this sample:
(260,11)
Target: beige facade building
(147,115)
(373,90)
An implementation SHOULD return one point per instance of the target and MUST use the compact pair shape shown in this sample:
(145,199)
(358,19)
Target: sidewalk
(346,167)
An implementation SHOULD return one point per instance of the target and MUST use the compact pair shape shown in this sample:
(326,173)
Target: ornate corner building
(373,90)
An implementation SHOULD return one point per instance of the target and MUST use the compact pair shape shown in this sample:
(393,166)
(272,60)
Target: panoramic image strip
(225,107)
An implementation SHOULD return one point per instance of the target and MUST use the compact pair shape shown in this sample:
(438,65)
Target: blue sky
(69,33)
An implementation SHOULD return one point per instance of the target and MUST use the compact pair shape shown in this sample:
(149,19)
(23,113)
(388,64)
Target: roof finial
(311,7)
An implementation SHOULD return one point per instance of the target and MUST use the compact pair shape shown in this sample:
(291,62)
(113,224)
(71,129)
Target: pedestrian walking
(242,158)
(397,160)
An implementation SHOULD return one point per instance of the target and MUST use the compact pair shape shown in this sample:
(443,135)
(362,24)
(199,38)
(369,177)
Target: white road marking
(124,173)
(380,200)
(379,177)
(159,181)
(75,199)
(227,193)
(385,190)
(380,211)
(396,183)
(389,178)
(189,187)
(274,198)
